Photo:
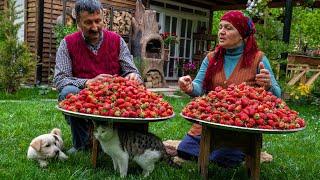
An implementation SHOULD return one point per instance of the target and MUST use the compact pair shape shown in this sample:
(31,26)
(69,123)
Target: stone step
(166,91)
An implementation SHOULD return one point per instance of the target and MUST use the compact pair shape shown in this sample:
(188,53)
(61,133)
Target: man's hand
(133,77)
(99,77)
(263,79)
(185,84)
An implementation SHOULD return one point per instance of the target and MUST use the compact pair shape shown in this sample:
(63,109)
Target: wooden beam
(313,78)
(210,3)
(228,2)
(296,78)
(218,5)
(229,7)
(195,3)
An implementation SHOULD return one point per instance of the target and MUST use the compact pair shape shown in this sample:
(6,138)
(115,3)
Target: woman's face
(229,36)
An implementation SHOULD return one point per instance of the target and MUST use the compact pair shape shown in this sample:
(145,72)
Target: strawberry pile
(244,106)
(118,97)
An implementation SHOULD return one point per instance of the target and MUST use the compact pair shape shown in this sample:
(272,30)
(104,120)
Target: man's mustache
(93,32)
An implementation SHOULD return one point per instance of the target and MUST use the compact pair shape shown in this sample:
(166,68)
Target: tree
(305,26)
(17,63)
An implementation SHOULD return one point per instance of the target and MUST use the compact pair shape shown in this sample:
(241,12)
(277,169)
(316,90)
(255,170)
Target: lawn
(296,155)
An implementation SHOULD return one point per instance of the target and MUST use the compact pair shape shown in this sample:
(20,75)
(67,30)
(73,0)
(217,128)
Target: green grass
(30,93)
(296,155)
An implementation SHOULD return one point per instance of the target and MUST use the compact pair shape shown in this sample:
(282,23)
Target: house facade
(190,20)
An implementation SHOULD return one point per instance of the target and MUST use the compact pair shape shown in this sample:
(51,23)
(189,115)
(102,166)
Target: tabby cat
(143,148)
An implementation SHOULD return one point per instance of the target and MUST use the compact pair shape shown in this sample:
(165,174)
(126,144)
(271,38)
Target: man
(88,55)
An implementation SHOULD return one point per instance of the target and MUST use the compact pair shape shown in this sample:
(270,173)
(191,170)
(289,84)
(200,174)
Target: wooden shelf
(302,59)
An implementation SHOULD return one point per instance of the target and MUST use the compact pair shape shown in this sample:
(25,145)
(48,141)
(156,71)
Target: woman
(236,59)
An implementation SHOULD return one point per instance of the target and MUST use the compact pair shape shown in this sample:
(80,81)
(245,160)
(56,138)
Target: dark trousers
(189,149)
(79,127)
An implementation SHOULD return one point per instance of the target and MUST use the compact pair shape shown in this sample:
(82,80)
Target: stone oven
(147,44)
(153,56)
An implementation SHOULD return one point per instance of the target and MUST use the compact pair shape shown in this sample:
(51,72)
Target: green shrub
(17,63)
(60,31)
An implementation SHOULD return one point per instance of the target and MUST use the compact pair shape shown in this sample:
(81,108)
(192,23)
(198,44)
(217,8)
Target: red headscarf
(246,28)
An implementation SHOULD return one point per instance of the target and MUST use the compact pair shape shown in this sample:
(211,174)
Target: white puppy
(47,146)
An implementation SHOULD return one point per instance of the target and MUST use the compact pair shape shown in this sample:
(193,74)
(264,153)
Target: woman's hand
(185,84)
(263,79)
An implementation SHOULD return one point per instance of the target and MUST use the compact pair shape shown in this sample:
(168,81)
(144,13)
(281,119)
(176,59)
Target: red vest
(85,64)
(238,76)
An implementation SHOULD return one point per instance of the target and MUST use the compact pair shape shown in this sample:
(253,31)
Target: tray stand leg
(95,144)
(95,152)
(253,156)
(205,150)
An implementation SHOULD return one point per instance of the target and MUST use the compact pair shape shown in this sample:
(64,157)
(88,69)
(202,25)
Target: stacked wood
(153,79)
(124,4)
(106,17)
(121,22)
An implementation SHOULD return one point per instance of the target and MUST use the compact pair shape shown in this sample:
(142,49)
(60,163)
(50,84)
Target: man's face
(91,25)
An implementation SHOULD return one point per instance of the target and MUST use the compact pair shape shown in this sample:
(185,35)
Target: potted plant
(190,68)
(168,39)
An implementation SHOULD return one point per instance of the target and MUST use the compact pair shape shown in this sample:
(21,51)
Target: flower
(300,91)
(169,38)
(190,68)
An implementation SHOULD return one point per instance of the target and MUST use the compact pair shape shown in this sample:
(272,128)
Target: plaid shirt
(63,68)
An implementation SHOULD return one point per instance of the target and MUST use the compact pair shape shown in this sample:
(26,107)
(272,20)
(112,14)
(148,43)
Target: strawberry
(256,116)
(260,121)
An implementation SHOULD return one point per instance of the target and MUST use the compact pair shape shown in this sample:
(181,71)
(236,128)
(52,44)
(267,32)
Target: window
(183,23)
(170,67)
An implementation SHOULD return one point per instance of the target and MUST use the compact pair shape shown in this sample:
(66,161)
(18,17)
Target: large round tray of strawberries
(243,108)
(117,99)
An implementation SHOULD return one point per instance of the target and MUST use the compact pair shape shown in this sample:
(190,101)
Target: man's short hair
(90,6)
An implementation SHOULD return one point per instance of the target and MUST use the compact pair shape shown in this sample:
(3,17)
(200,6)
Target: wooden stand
(299,66)
(214,138)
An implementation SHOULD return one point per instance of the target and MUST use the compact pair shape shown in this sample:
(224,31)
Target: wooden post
(253,156)
(94,154)
(94,144)
(287,21)
(39,40)
(287,25)
(205,149)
